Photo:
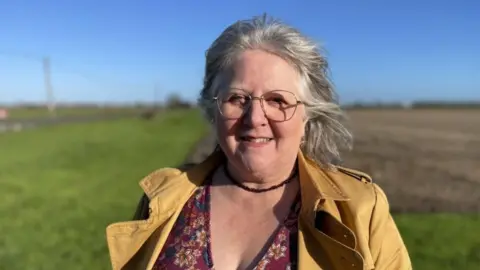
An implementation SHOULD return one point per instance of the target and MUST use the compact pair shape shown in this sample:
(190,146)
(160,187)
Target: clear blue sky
(118,50)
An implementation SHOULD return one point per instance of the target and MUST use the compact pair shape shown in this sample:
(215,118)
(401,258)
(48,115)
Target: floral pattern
(188,245)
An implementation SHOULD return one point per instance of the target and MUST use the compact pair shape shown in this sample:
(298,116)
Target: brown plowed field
(425,160)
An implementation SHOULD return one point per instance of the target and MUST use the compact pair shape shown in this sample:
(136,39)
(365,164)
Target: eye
(276,101)
(279,100)
(237,99)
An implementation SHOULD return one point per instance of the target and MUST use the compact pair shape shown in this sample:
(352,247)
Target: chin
(253,162)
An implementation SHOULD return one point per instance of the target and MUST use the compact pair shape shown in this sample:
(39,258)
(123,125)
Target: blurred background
(94,95)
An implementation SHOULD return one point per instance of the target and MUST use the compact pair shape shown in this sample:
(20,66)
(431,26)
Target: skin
(242,223)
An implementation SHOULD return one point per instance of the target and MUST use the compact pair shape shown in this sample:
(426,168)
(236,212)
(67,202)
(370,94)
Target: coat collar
(315,183)
(320,183)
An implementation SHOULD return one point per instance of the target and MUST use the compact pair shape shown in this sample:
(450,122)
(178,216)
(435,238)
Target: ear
(304,122)
(215,116)
(304,116)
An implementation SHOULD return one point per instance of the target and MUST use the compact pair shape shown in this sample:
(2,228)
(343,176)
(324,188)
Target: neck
(284,194)
(263,204)
(259,180)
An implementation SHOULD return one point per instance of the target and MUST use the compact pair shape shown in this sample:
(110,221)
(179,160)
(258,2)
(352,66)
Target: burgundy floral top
(188,245)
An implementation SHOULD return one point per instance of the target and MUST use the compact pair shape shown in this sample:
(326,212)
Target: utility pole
(155,96)
(48,86)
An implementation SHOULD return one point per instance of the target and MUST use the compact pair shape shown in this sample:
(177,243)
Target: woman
(270,196)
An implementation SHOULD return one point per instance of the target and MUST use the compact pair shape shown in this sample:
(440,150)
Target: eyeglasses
(278,105)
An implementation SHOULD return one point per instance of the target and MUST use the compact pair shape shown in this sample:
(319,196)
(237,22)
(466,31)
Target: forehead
(258,72)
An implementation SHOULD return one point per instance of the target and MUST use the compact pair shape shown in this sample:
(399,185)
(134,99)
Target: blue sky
(119,50)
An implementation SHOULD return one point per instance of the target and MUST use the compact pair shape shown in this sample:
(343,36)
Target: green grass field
(23,113)
(61,186)
(441,241)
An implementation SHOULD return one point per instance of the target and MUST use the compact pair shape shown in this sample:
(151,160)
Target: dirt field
(425,160)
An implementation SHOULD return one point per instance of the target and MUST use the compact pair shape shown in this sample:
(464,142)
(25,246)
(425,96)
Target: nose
(255,116)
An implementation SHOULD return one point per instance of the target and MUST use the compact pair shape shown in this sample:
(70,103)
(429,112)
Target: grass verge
(61,186)
(27,113)
(441,241)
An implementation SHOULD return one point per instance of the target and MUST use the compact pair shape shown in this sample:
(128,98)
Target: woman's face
(253,141)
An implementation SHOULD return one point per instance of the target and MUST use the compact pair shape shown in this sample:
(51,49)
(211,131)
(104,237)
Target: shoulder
(360,188)
(353,174)
(364,195)
(354,183)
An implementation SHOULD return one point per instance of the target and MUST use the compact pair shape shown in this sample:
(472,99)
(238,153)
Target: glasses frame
(261,99)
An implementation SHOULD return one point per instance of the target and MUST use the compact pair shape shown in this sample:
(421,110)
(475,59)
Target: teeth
(258,140)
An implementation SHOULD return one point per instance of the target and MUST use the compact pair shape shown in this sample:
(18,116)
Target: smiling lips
(255,141)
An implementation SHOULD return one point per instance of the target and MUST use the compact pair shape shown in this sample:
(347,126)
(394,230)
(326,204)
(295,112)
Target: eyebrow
(249,91)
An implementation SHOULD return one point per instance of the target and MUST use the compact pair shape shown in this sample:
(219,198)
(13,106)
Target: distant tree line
(445,105)
(375,105)
(175,101)
(415,105)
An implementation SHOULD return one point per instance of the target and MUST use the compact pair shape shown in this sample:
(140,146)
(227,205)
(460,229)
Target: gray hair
(324,133)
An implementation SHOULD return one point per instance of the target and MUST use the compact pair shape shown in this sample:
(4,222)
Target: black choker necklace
(258,190)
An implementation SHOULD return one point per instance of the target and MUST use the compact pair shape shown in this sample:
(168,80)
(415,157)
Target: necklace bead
(258,190)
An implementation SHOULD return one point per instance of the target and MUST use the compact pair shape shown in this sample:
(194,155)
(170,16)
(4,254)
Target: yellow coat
(344,222)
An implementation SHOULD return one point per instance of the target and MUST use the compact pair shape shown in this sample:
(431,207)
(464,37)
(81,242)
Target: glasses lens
(279,105)
(233,103)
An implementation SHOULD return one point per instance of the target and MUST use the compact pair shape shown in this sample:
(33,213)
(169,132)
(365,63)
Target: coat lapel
(324,242)
(124,239)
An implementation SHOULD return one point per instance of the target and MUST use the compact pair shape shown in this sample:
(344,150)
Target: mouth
(255,139)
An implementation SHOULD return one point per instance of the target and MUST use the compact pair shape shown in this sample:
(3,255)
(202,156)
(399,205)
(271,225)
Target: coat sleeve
(387,246)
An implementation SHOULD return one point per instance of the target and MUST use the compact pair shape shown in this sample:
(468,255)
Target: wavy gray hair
(324,133)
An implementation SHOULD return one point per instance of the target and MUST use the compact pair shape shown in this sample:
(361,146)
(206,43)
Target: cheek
(291,130)
(225,128)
